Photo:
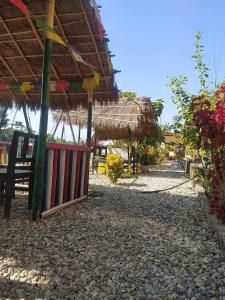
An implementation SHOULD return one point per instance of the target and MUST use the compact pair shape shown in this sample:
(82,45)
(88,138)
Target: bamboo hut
(21,54)
(116,120)
(78,64)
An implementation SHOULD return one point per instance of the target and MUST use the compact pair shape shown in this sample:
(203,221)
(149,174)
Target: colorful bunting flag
(19,4)
(4,86)
(100,26)
(91,83)
(61,85)
(55,86)
(26,86)
(50,32)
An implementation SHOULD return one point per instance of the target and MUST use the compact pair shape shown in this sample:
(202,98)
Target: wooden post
(39,169)
(79,135)
(3,116)
(71,128)
(129,167)
(89,124)
(56,127)
(26,118)
(62,133)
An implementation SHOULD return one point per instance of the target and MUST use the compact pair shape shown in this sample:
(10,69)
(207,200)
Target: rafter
(66,40)
(94,42)
(17,46)
(36,33)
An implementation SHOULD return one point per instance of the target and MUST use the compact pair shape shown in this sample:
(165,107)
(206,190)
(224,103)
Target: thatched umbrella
(22,47)
(114,121)
(21,54)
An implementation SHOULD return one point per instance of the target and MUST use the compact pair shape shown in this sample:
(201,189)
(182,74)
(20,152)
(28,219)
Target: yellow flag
(56,38)
(26,86)
(91,83)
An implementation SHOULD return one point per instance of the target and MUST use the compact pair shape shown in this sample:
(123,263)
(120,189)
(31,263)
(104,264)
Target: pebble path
(119,245)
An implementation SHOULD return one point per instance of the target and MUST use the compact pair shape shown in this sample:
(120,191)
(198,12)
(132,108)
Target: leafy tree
(158,106)
(183,123)
(200,66)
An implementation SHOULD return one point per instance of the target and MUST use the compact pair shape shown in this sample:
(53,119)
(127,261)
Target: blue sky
(155,39)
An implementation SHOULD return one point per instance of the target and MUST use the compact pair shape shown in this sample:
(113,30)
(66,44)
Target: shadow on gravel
(170,210)
(164,174)
(19,290)
(88,234)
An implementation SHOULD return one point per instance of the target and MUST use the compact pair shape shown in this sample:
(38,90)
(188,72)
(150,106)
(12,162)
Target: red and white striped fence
(66,175)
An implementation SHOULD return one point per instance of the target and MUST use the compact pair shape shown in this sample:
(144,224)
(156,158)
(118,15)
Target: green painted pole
(39,168)
(89,123)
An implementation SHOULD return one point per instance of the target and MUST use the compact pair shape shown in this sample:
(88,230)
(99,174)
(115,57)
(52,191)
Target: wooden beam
(17,46)
(66,40)
(54,55)
(94,42)
(62,206)
(26,118)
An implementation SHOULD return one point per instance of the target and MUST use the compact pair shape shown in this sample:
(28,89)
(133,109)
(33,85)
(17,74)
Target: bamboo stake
(39,170)
(71,128)
(26,118)
(79,129)
(56,127)
(89,123)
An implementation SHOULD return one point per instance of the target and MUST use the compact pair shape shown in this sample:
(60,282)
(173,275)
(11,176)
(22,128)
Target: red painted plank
(66,176)
(67,147)
(86,178)
(77,175)
(54,177)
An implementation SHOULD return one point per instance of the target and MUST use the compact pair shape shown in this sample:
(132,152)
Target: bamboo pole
(56,127)
(63,131)
(26,118)
(3,115)
(89,123)
(79,129)
(71,128)
(39,170)
(129,168)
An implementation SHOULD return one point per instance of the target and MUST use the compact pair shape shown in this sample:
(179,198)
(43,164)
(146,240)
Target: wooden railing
(66,174)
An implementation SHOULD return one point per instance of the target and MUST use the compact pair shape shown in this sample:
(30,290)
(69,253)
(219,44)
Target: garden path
(119,245)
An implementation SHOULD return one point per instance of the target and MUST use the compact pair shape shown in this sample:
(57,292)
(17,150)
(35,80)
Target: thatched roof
(21,52)
(114,120)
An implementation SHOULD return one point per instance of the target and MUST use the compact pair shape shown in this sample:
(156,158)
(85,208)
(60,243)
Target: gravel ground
(119,245)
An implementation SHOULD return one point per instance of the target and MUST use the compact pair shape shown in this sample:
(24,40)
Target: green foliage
(150,155)
(114,167)
(158,106)
(200,66)
(183,123)
(126,175)
(18,125)
(5,121)
(128,94)
(156,137)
